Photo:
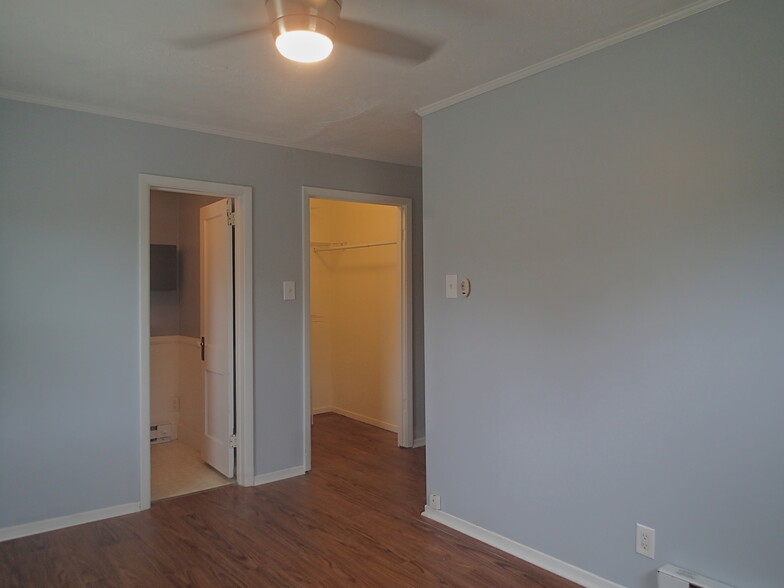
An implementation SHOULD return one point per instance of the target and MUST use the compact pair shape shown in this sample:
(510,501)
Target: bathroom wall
(355,307)
(176,384)
(164,230)
(174,220)
(164,316)
(164,380)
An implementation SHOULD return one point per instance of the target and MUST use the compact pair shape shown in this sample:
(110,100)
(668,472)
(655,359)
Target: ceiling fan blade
(199,41)
(384,41)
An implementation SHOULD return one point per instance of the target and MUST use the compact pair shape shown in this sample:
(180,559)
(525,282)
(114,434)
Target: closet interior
(356,311)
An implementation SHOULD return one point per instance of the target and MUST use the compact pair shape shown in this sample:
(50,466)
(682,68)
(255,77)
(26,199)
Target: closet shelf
(327,243)
(360,246)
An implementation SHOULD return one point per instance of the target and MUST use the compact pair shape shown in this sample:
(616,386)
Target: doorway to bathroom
(198,417)
(191,282)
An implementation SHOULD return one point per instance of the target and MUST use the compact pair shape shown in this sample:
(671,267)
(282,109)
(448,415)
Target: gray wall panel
(69,367)
(619,360)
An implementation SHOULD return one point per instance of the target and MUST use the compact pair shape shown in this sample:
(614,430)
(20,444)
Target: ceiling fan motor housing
(318,16)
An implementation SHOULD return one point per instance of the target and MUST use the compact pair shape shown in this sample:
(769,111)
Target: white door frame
(405,435)
(243,317)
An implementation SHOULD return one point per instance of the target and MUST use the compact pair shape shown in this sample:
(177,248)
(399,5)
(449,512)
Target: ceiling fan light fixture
(304,46)
(304,29)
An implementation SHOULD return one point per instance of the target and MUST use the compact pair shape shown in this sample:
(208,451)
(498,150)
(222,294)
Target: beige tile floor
(178,469)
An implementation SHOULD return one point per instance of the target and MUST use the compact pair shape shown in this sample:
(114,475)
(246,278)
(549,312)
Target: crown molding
(178,124)
(572,54)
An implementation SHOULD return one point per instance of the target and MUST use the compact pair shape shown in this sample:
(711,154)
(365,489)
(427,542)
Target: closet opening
(357,315)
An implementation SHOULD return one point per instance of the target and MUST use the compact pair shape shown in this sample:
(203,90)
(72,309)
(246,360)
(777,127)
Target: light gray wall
(69,365)
(620,357)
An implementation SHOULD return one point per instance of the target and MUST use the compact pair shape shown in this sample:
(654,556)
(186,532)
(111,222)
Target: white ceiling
(126,58)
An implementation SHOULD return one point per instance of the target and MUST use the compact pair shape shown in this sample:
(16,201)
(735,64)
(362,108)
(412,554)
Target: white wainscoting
(177,387)
(164,379)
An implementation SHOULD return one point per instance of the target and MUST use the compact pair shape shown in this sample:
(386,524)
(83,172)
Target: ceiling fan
(306,31)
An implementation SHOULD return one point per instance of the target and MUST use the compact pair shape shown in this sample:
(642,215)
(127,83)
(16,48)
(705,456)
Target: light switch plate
(451,286)
(289,291)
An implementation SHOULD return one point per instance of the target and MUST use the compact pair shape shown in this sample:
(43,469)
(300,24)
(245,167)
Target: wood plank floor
(355,519)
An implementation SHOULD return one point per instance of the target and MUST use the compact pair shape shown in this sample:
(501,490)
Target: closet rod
(327,243)
(318,250)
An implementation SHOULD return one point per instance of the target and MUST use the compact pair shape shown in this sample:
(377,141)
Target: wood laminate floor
(354,520)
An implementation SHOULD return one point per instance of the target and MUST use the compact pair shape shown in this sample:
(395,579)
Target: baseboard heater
(163,432)
(674,577)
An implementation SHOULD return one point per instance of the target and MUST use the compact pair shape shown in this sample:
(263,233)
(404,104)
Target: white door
(217,328)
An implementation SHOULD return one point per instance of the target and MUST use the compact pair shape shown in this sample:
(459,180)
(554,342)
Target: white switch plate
(289,291)
(646,540)
(451,286)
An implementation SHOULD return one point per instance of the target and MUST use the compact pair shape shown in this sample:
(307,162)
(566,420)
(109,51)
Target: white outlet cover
(646,541)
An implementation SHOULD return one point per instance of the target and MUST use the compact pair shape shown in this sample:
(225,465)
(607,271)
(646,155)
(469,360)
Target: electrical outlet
(176,403)
(435,501)
(646,540)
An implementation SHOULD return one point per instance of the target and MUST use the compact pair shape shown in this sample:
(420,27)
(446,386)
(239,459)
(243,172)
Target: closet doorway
(196,342)
(357,310)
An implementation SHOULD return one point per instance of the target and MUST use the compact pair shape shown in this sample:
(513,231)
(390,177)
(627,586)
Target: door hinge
(230,219)
(233,441)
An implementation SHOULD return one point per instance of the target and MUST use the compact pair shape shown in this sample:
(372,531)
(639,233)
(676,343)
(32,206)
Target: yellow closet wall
(356,312)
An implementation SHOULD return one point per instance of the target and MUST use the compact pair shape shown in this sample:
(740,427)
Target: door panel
(217,327)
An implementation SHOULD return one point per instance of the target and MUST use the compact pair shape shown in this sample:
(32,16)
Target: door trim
(243,317)
(405,435)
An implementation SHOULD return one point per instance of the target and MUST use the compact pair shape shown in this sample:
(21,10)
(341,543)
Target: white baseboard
(79,518)
(419,442)
(279,475)
(363,419)
(519,550)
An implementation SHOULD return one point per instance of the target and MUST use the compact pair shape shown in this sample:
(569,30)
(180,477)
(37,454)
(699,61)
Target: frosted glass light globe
(304,46)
